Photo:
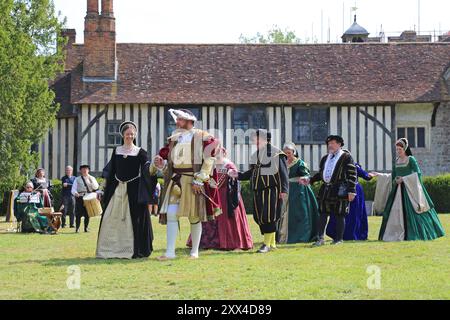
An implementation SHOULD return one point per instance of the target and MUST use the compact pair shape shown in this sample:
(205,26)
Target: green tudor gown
(301,212)
(423,226)
(26,212)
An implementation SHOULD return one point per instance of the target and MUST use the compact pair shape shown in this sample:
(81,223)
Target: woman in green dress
(26,210)
(298,222)
(409,212)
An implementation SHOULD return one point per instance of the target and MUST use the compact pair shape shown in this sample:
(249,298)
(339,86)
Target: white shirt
(330,165)
(90,181)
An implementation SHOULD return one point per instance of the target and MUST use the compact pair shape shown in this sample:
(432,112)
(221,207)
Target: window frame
(249,109)
(310,108)
(116,134)
(416,128)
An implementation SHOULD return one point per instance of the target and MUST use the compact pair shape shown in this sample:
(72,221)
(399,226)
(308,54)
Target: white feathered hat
(182,114)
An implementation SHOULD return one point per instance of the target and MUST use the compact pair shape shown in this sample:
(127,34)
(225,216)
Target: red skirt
(226,233)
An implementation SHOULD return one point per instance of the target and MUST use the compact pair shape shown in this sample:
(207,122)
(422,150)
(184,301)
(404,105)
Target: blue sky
(214,21)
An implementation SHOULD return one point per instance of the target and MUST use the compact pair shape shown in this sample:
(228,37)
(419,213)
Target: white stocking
(172,230)
(196,234)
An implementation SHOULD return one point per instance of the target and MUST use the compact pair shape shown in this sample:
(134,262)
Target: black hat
(85,166)
(336,138)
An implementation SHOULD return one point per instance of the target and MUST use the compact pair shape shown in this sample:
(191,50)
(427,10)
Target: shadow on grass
(181,254)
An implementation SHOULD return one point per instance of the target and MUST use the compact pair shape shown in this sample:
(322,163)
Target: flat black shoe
(318,243)
(263,249)
(77,231)
(86,230)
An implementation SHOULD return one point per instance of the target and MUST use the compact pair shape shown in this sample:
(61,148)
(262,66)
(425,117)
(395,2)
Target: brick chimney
(100,63)
(71,35)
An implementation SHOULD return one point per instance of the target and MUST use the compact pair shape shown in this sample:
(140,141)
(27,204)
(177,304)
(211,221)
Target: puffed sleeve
(303,169)
(210,145)
(153,170)
(415,166)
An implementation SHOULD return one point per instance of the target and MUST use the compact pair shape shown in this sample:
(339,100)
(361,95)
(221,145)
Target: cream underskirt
(116,237)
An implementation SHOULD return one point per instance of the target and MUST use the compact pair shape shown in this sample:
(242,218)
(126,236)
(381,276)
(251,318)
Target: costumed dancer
(188,189)
(125,227)
(409,212)
(338,174)
(230,231)
(269,178)
(300,214)
(356,223)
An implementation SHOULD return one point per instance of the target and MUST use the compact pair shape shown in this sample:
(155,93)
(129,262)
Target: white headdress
(290,145)
(182,114)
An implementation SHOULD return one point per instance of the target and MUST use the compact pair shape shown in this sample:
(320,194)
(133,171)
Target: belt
(183,171)
(130,180)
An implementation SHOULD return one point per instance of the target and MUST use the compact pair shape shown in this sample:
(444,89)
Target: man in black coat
(269,179)
(338,176)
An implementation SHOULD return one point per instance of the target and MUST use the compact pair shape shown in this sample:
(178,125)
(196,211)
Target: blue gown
(356,225)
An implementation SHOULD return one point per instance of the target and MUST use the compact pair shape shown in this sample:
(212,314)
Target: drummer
(83,185)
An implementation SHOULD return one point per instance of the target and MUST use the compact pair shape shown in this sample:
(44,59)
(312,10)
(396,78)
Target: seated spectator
(44,186)
(26,210)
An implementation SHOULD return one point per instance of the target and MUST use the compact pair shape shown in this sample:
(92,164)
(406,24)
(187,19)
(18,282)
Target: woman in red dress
(230,230)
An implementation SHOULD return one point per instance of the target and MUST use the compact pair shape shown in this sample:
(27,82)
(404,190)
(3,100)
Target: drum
(92,205)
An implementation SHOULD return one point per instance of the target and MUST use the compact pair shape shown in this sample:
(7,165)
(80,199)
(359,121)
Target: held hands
(283,195)
(373,174)
(303,181)
(399,180)
(233,173)
(197,189)
(159,162)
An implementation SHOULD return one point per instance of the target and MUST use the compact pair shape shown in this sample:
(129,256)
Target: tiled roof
(364,73)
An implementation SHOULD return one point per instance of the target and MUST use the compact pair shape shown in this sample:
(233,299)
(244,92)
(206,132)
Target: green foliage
(57,192)
(274,35)
(29,61)
(439,190)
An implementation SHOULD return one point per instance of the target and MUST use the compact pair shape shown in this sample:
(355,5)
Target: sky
(223,21)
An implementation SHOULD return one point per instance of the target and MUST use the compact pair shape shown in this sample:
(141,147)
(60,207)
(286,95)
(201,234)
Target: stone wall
(436,160)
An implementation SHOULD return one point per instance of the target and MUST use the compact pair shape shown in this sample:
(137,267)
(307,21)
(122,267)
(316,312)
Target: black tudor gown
(112,242)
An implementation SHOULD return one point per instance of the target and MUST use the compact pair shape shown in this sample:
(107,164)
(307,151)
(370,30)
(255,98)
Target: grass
(36,267)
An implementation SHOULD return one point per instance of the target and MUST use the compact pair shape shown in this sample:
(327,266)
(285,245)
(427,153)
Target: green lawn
(35,267)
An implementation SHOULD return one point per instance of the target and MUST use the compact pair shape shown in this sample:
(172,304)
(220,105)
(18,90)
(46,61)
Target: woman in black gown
(125,228)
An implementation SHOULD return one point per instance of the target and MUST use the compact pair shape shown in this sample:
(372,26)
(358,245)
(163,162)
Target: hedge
(437,186)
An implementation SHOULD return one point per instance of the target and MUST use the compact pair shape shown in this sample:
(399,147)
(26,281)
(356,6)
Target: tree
(274,35)
(30,58)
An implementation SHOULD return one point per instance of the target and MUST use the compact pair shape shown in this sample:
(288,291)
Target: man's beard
(185,127)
